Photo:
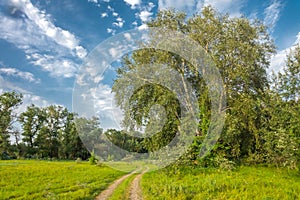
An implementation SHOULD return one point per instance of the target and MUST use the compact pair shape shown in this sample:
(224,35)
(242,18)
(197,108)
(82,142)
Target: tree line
(40,133)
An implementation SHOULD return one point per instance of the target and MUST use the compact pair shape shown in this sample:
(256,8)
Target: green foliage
(241,50)
(125,141)
(282,135)
(90,133)
(92,159)
(210,183)
(53,180)
(50,132)
(9,101)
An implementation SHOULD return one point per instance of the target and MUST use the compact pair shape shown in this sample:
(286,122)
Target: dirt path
(105,194)
(135,189)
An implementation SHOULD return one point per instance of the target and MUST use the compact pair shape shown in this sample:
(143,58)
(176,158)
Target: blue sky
(44,42)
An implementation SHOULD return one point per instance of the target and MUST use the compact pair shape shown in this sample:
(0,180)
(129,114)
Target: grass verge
(53,180)
(242,183)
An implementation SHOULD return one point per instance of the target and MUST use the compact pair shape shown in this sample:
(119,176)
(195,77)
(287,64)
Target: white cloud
(151,5)
(118,49)
(35,34)
(17,73)
(104,105)
(29,99)
(119,19)
(133,3)
(134,23)
(119,22)
(182,5)
(145,15)
(298,38)
(232,7)
(61,67)
(110,30)
(93,1)
(80,51)
(104,15)
(143,27)
(113,52)
(7,86)
(110,8)
(127,36)
(39,18)
(98,78)
(278,60)
(272,14)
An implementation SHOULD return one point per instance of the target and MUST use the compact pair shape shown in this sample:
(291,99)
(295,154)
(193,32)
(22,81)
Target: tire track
(105,194)
(135,188)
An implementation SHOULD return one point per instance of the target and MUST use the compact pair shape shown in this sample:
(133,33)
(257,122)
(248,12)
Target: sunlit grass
(123,190)
(131,166)
(53,180)
(243,183)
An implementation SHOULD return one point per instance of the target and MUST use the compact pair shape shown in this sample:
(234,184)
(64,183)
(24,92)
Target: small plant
(110,158)
(78,160)
(93,160)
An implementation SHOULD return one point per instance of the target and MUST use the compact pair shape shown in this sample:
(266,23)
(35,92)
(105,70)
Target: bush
(78,160)
(93,160)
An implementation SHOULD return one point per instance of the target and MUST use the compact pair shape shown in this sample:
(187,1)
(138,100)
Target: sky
(43,43)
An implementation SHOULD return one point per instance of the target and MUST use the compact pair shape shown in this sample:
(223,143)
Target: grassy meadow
(23,179)
(243,183)
(53,180)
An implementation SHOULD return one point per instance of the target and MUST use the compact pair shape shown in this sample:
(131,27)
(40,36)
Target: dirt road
(105,194)
(135,190)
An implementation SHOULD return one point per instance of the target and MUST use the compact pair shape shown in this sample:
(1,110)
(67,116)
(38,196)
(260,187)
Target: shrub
(78,160)
(93,160)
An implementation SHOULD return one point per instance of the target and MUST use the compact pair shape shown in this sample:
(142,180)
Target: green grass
(125,166)
(53,180)
(123,190)
(24,179)
(244,183)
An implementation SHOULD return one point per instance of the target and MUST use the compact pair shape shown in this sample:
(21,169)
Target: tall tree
(241,50)
(90,133)
(31,121)
(283,137)
(48,139)
(9,101)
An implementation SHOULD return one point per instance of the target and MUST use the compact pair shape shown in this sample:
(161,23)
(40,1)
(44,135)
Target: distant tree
(90,133)
(48,139)
(31,121)
(9,101)
(71,144)
(131,143)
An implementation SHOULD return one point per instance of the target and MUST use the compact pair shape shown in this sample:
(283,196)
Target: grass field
(53,180)
(22,179)
(244,183)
